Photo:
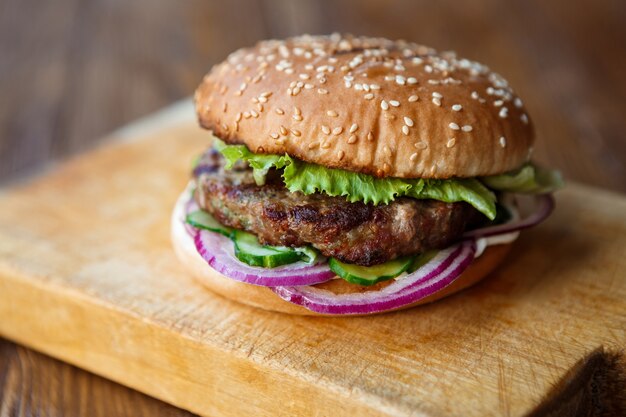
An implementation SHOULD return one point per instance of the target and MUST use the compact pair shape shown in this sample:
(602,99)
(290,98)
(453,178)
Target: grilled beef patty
(357,233)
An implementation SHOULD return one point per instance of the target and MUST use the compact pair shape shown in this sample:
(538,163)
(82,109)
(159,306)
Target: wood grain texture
(72,70)
(116,302)
(35,384)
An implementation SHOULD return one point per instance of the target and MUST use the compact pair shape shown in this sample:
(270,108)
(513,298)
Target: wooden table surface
(72,70)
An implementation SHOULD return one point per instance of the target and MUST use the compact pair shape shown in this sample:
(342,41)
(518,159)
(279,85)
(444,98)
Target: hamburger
(352,175)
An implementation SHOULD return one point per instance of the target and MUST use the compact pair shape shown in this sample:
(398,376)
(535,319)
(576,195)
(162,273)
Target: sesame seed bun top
(386,108)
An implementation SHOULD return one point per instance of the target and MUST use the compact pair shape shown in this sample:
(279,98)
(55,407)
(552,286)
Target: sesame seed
(411,80)
(337,131)
(453,126)
(354,128)
(413,157)
(408,121)
(238,117)
(225,126)
(254,113)
(259,107)
(421,145)
(352,139)
(280,111)
(322,91)
(436,101)
(498,103)
(274,135)
(297,111)
(451,142)
(413,98)
(457,107)
(246,115)
(295,132)
(283,130)
(400,80)
(266,94)
(262,99)
(297,117)
(502,141)
(467,128)
(518,102)
(386,167)
(326,130)
(304,76)
(386,149)
(405,130)
(503,112)
(313,145)
(370,136)
(384,105)
(437,95)
(368,96)
(332,113)
(308,86)
(475,95)
(325,145)
(340,155)
(524,118)
(394,103)
(374,87)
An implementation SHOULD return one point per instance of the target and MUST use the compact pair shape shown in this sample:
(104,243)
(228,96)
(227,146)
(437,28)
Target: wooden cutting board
(87,275)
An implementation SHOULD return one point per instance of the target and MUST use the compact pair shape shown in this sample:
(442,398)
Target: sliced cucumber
(370,275)
(308,254)
(421,260)
(249,250)
(203,220)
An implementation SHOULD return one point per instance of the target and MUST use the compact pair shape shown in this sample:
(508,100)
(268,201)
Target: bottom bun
(265,298)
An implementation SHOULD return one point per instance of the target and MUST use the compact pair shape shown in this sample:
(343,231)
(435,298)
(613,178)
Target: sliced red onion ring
(190,206)
(218,251)
(440,272)
(544,204)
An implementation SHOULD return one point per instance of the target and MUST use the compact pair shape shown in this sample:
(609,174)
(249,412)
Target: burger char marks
(357,233)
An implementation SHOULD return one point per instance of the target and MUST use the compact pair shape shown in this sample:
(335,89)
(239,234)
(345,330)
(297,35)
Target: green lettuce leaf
(528,179)
(469,190)
(260,163)
(310,178)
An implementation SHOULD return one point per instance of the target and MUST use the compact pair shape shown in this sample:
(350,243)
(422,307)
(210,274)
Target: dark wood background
(73,70)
